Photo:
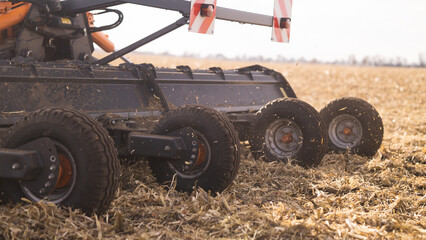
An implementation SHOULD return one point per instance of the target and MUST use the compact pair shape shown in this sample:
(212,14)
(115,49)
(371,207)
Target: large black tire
(288,129)
(221,159)
(85,150)
(352,125)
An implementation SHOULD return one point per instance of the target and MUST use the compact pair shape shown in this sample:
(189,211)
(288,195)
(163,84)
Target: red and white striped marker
(202,16)
(282,21)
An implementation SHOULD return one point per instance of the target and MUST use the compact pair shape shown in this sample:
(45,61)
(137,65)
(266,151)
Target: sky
(326,30)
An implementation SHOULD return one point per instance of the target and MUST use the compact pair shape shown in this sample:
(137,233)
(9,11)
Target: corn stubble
(347,196)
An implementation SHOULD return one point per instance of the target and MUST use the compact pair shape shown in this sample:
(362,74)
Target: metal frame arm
(232,15)
(78,6)
(181,6)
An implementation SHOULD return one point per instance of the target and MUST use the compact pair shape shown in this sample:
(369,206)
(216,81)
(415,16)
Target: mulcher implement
(66,117)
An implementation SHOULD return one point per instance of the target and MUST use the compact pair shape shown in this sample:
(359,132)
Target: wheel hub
(44,183)
(57,179)
(287,138)
(345,131)
(283,138)
(197,158)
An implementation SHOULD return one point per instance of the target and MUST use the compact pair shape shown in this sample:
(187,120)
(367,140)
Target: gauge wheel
(288,129)
(89,168)
(218,158)
(353,125)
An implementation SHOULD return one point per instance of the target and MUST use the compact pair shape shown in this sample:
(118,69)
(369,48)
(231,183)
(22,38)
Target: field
(346,197)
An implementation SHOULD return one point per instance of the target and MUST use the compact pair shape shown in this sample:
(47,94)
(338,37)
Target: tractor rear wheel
(218,158)
(288,129)
(88,164)
(353,125)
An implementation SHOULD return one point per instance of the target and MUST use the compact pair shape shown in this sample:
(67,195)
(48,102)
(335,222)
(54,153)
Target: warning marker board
(202,16)
(282,20)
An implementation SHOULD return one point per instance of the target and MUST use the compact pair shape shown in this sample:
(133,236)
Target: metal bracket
(218,71)
(149,145)
(257,68)
(176,145)
(247,72)
(19,164)
(148,73)
(286,88)
(185,69)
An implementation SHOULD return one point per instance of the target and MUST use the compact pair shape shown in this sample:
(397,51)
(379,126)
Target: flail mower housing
(66,117)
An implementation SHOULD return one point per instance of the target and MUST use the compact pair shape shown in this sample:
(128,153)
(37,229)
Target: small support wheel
(86,170)
(218,152)
(288,128)
(353,125)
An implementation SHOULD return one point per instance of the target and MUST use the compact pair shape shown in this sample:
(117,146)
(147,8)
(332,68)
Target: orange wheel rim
(65,172)
(202,153)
